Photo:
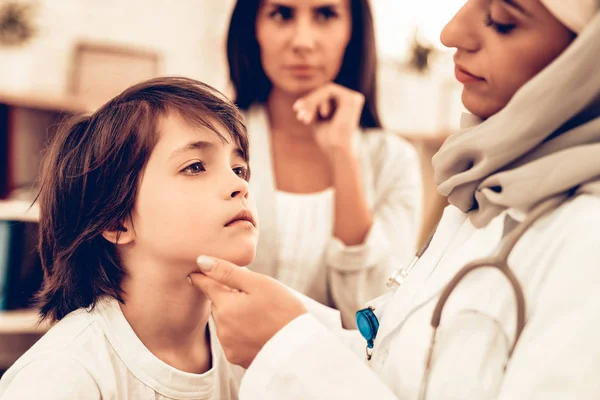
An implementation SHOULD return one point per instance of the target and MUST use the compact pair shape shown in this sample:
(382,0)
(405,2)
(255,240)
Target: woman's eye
(502,29)
(281,14)
(242,172)
(194,169)
(325,14)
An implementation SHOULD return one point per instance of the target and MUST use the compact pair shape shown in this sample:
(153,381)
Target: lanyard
(367,319)
(399,275)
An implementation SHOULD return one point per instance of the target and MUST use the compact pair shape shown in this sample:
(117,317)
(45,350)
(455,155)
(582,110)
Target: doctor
(532,84)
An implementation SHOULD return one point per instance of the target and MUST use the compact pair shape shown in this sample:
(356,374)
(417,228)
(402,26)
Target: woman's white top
(348,276)
(304,226)
(97,355)
(557,262)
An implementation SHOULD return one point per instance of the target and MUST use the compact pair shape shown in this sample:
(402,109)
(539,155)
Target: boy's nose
(240,189)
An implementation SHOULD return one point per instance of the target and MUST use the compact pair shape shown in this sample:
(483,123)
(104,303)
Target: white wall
(189,34)
(410,102)
(419,105)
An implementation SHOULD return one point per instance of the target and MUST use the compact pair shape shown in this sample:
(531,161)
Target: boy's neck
(170,317)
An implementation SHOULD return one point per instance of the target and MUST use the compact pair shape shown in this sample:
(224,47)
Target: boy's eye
(324,14)
(242,172)
(195,168)
(281,13)
(502,29)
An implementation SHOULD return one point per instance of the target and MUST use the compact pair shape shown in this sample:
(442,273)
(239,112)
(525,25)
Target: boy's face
(193,186)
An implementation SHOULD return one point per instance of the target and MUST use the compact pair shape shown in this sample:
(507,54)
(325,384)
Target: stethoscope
(368,318)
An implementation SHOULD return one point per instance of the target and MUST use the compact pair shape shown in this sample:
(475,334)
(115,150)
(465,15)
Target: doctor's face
(500,45)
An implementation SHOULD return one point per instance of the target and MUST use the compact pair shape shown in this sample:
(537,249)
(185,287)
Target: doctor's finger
(212,289)
(226,273)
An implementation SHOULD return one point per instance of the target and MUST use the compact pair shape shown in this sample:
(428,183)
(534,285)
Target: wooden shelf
(19,210)
(20,322)
(40,101)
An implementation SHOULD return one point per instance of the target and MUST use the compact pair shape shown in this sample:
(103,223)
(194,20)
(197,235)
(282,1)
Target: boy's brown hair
(90,180)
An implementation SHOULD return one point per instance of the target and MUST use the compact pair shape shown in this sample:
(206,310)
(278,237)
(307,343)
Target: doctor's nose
(462,31)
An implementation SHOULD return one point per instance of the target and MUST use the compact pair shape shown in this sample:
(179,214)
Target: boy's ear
(121,234)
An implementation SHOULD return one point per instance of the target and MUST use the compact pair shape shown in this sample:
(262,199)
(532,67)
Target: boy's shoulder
(49,376)
(70,334)
(60,358)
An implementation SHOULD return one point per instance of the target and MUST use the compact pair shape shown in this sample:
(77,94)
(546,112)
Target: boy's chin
(242,259)
(241,254)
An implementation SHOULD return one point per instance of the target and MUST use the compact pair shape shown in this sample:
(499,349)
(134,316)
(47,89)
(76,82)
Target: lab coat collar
(449,230)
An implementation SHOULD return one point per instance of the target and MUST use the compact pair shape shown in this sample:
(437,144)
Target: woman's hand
(335,112)
(248,308)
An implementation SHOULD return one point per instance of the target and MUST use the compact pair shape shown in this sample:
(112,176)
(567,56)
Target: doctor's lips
(243,217)
(464,76)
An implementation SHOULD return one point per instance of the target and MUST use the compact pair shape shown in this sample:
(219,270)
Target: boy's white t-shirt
(97,355)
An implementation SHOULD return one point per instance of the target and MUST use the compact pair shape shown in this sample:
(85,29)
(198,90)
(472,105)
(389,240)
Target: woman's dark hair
(358,71)
(90,183)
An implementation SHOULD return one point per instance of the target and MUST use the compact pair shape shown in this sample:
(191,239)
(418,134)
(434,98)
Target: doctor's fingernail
(189,279)
(206,263)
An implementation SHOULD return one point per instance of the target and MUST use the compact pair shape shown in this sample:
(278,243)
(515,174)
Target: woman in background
(339,199)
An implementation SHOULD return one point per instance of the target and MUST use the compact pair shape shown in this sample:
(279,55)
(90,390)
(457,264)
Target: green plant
(420,55)
(16,23)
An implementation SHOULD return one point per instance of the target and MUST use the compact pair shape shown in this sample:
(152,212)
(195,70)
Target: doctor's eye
(501,28)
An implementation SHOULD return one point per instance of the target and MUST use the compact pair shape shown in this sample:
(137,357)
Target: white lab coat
(558,355)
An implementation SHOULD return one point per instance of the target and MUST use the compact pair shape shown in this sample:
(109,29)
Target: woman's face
(303,42)
(500,45)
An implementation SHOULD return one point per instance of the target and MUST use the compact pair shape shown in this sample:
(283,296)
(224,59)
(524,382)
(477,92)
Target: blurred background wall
(186,34)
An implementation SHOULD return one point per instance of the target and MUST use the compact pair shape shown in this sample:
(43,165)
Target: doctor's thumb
(208,286)
(225,273)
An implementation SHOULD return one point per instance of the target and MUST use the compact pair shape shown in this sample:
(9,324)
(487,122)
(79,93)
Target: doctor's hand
(248,308)
(334,111)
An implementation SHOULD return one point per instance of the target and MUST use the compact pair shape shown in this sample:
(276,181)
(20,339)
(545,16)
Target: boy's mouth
(242,216)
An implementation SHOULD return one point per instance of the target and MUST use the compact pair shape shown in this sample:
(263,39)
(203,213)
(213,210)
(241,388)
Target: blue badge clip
(368,325)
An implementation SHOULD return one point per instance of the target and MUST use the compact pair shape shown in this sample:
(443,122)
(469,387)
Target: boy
(129,196)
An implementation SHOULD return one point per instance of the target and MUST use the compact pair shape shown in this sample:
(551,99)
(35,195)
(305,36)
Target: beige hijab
(574,14)
(544,143)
